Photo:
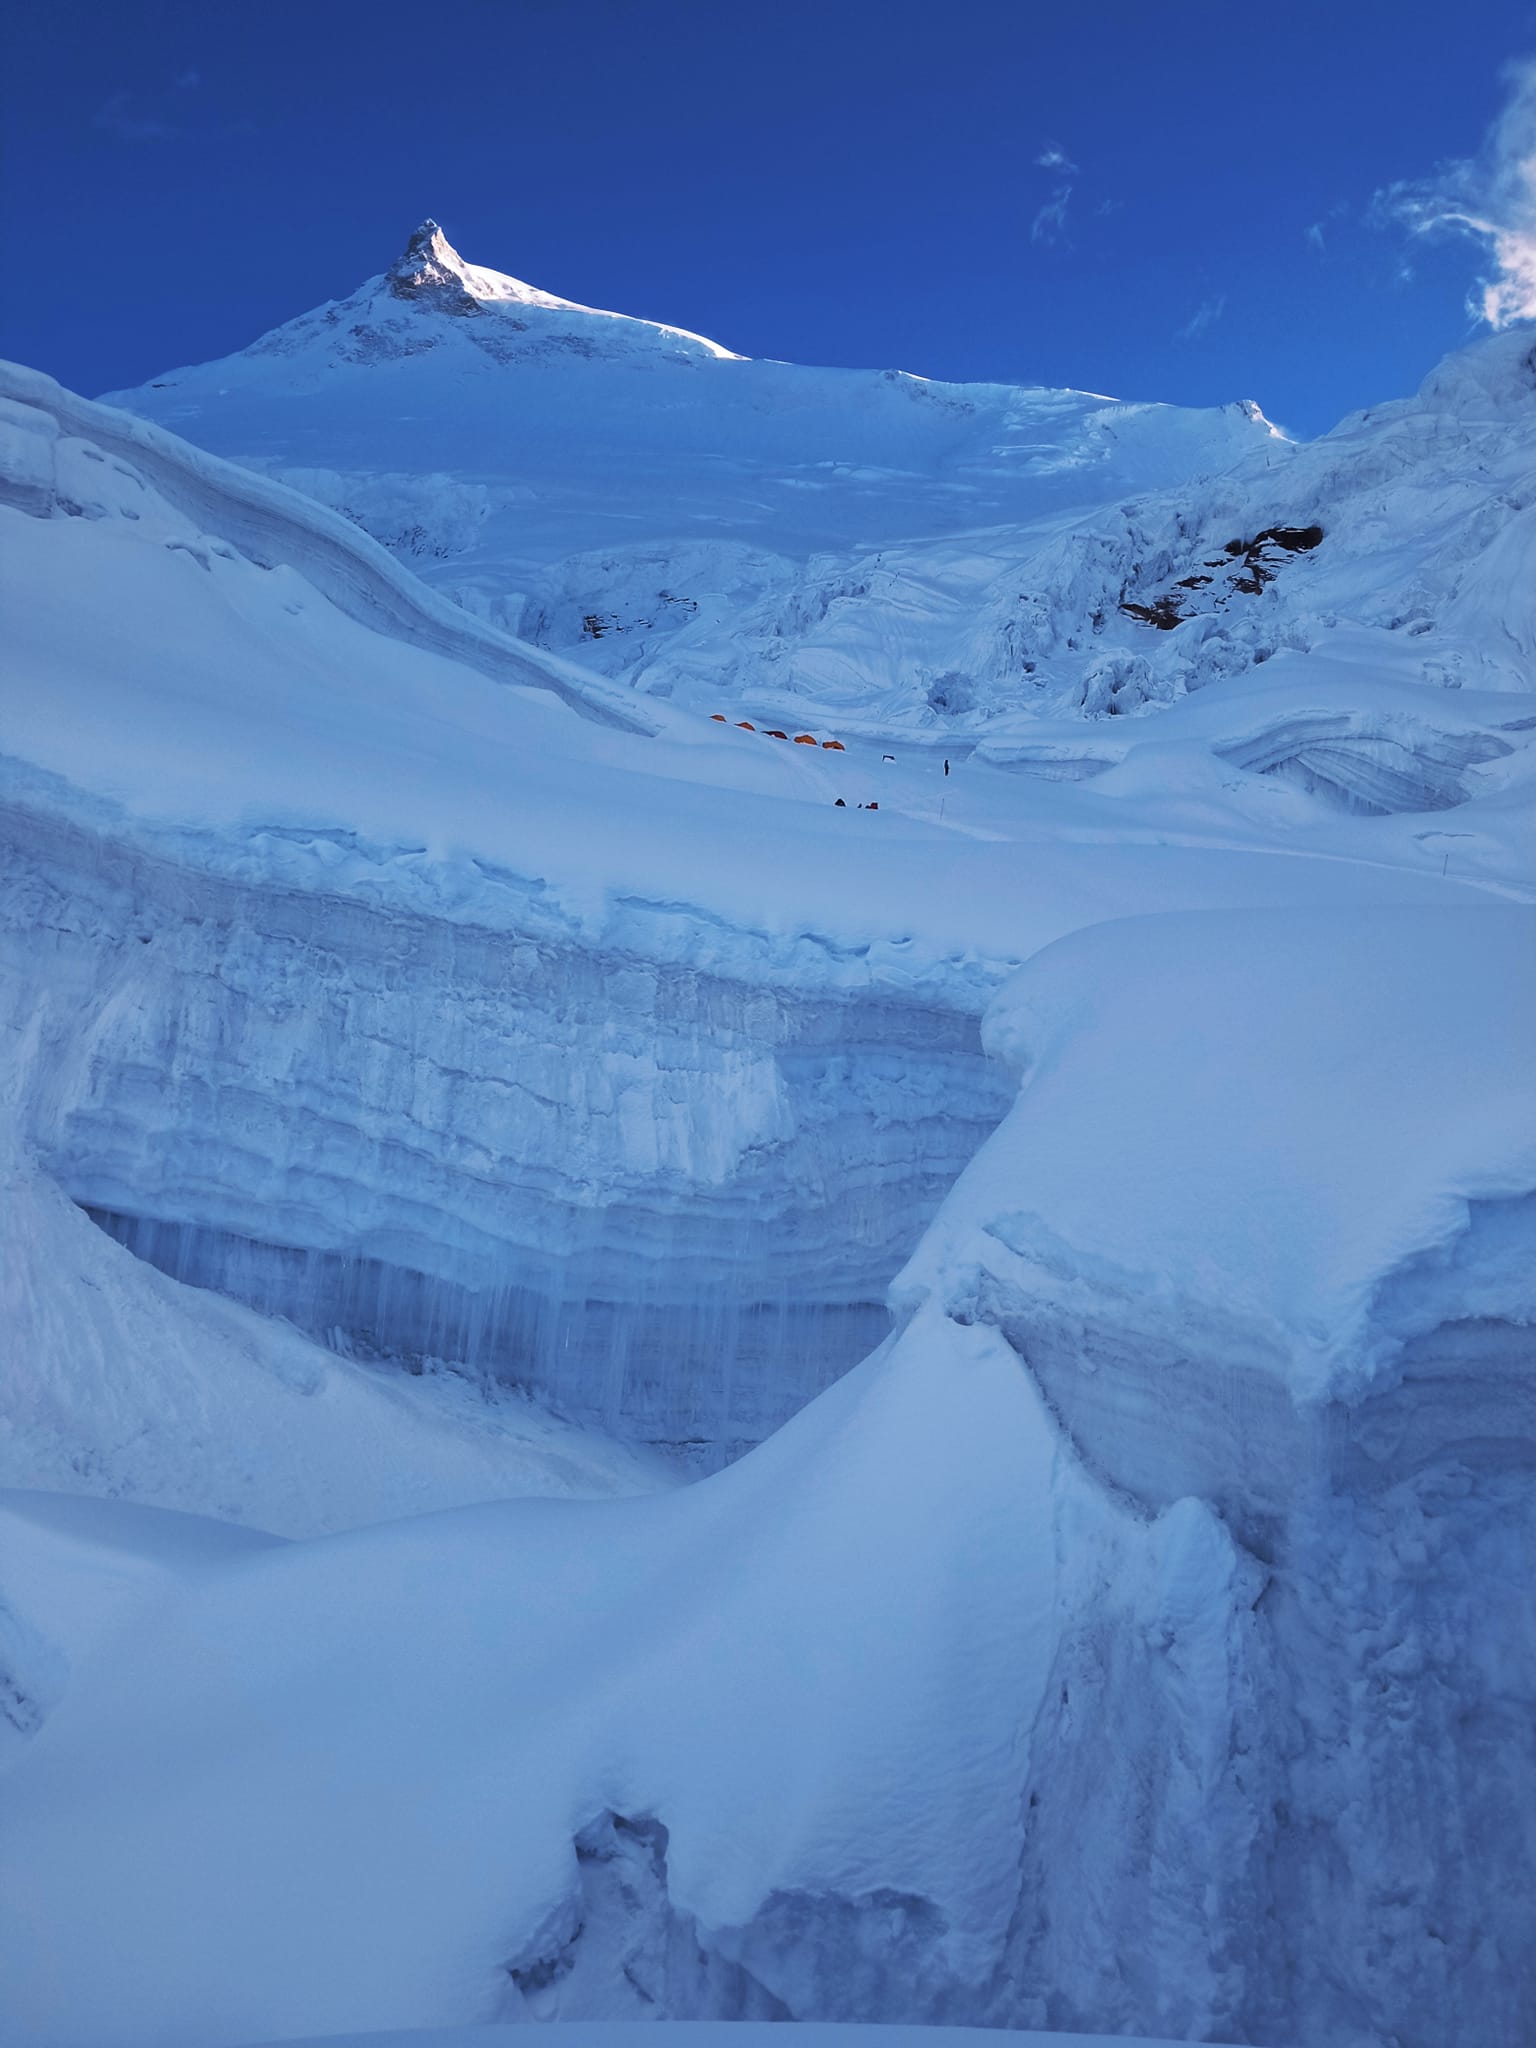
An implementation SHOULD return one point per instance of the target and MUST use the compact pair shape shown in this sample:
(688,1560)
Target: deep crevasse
(666,1201)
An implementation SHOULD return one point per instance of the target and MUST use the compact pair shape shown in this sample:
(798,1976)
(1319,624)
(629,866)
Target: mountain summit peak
(428,233)
(431,269)
(431,274)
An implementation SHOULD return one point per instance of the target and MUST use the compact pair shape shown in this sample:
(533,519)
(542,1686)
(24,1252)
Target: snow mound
(424,1763)
(1311,1246)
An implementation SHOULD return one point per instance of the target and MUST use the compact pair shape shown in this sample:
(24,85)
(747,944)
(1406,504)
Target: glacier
(655,1373)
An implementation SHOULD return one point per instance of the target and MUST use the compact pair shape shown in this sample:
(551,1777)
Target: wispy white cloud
(1331,223)
(1050,223)
(1491,200)
(169,115)
(1205,315)
(121,118)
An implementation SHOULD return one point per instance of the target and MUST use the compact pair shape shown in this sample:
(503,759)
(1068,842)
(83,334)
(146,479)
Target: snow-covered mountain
(629,491)
(1077,1178)
(787,543)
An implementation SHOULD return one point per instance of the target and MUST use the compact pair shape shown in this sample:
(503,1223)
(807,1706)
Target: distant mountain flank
(438,365)
(794,543)
(629,491)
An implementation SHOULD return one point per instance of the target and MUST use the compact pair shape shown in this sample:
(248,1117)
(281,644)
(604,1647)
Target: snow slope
(123,1384)
(1400,542)
(785,542)
(629,1757)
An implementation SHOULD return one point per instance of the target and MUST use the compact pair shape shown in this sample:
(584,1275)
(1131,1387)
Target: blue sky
(1166,201)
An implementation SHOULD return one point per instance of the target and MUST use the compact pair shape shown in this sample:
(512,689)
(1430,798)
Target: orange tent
(805,739)
(718,717)
(835,746)
(772,733)
(746,725)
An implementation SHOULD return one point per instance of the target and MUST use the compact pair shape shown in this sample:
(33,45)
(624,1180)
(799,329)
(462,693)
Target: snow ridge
(270,527)
(431,272)
(411,309)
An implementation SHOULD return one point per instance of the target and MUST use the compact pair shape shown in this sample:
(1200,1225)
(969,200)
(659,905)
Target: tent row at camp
(770,732)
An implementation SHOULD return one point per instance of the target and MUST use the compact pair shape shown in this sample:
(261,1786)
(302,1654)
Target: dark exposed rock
(428,272)
(1256,562)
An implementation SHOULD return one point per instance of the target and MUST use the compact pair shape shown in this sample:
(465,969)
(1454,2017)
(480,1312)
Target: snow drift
(1308,1259)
